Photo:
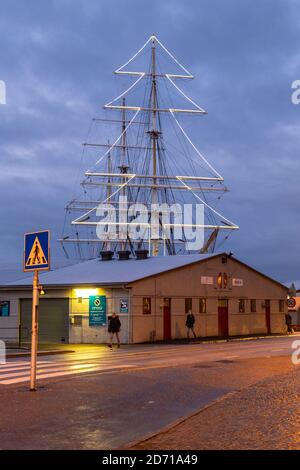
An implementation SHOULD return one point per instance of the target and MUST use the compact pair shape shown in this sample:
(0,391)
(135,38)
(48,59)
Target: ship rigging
(142,166)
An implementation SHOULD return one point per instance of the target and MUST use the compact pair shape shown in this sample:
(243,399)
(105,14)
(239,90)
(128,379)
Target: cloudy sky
(57,58)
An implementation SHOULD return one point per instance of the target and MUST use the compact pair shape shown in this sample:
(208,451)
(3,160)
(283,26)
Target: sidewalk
(61,348)
(263,416)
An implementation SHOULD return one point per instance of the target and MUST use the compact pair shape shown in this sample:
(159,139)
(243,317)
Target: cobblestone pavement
(263,416)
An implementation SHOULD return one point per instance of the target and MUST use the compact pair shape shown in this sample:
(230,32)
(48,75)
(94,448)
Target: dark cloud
(57,58)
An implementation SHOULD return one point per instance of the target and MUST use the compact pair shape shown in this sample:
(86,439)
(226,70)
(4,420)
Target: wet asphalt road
(122,395)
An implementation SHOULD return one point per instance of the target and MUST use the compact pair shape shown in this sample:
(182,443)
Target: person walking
(190,322)
(114,326)
(288,321)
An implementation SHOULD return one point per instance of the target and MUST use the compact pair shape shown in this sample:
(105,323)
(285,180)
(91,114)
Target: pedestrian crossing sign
(37,251)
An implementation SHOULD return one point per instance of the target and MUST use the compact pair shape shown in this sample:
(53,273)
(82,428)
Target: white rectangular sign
(208,280)
(237,282)
(2,92)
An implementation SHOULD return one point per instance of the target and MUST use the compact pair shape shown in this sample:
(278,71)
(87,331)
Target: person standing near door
(114,326)
(190,322)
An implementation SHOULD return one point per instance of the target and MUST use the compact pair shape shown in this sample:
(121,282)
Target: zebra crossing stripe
(15,380)
(24,365)
(18,370)
(25,372)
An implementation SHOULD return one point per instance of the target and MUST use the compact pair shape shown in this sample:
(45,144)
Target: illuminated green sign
(97,310)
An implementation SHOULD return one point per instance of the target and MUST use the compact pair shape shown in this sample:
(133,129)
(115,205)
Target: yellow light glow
(85,293)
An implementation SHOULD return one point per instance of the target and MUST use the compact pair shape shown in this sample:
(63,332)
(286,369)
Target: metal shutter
(53,320)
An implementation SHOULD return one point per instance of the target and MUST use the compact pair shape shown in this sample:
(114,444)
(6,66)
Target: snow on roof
(99,272)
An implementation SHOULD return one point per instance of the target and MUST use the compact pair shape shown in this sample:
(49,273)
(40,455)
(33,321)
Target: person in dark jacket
(114,326)
(190,322)
(288,321)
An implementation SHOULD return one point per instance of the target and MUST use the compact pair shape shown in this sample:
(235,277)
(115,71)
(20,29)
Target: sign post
(36,258)
(34,330)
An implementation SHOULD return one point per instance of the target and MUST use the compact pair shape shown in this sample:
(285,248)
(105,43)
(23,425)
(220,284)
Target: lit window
(241,305)
(202,305)
(222,280)
(146,305)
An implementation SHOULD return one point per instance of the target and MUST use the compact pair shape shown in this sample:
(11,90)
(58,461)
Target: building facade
(152,298)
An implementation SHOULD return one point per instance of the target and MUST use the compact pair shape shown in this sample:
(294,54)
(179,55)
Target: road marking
(61,374)
(26,365)
(16,372)
(25,371)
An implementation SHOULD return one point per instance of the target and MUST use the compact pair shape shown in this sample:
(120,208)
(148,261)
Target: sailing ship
(148,160)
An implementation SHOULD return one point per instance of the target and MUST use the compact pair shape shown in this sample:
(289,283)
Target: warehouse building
(151,297)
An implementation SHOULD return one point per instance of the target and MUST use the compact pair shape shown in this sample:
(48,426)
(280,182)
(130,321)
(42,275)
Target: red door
(167,319)
(223,317)
(268,316)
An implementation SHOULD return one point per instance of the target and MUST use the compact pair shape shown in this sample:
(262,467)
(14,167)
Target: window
(222,280)
(4,308)
(146,305)
(188,305)
(253,305)
(241,305)
(281,305)
(202,305)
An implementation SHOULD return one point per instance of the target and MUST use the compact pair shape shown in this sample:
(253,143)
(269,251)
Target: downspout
(130,316)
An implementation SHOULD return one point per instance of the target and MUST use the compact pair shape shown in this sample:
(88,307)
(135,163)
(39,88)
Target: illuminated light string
(119,70)
(195,148)
(116,141)
(172,111)
(134,56)
(108,105)
(185,96)
(172,57)
(232,224)
(121,187)
(79,219)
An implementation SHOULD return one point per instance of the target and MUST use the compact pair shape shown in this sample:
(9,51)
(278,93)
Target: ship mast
(154,136)
(123,167)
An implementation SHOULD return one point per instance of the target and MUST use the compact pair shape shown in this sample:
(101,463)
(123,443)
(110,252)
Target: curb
(40,353)
(231,340)
(175,423)
(214,340)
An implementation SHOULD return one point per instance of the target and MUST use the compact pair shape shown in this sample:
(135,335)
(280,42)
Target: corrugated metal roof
(98,272)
